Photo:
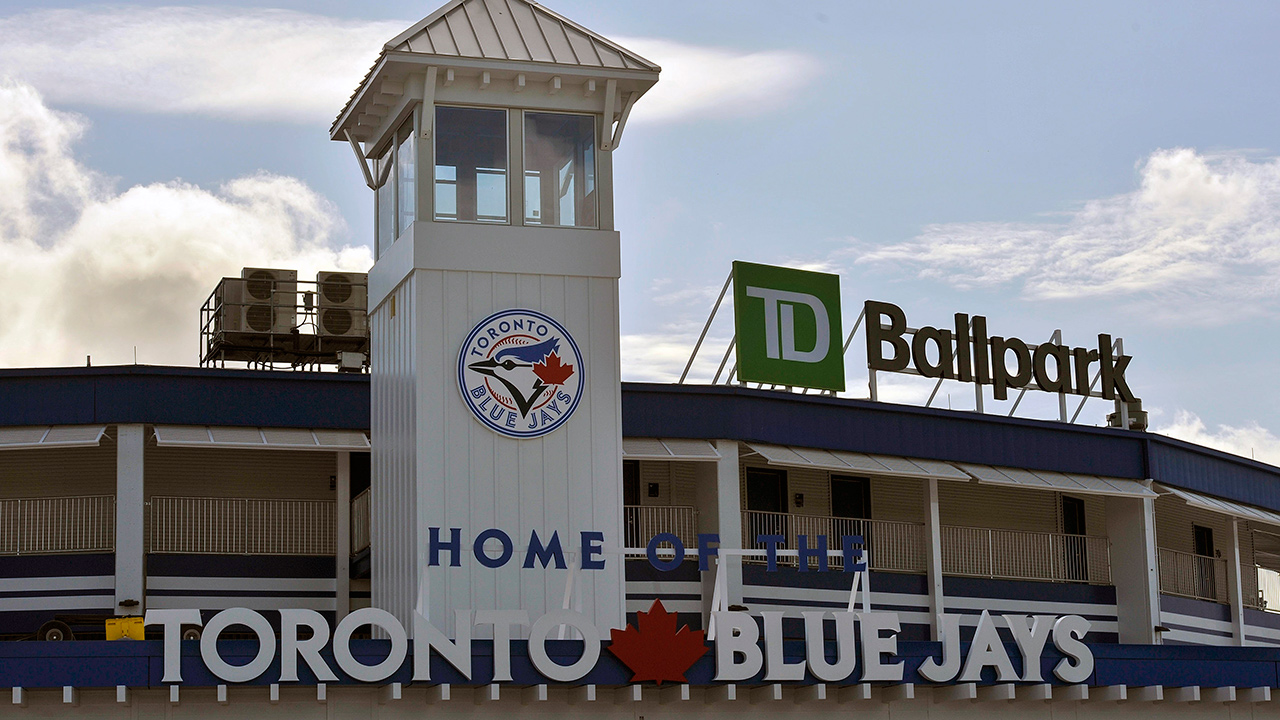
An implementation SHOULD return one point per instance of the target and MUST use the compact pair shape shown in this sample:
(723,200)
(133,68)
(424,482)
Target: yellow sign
(126,628)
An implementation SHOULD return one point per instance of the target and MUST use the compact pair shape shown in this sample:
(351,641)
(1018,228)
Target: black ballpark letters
(972,356)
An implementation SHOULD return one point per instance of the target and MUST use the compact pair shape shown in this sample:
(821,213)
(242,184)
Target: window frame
(524,168)
(506,196)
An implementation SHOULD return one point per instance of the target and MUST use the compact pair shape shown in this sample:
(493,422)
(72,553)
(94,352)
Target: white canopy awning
(260,438)
(668,449)
(51,436)
(859,463)
(1049,480)
(1226,507)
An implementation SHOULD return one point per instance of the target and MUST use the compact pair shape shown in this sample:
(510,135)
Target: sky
(1092,167)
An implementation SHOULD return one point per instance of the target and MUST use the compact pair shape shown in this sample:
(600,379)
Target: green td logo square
(788,325)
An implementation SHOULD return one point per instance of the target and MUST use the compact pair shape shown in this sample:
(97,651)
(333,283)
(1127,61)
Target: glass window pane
(471,164)
(406,174)
(560,172)
(446,193)
(386,205)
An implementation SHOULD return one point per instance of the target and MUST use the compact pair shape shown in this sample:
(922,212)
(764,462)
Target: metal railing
(1025,555)
(360,522)
(38,526)
(241,526)
(641,522)
(889,545)
(1191,575)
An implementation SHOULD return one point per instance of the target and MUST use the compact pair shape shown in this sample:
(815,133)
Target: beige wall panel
(217,472)
(899,499)
(59,472)
(990,506)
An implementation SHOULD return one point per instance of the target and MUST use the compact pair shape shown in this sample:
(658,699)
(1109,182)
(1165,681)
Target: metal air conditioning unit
(343,303)
(261,301)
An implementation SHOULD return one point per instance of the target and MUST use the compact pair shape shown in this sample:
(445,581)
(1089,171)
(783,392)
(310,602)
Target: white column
(933,556)
(1131,528)
(342,546)
(729,511)
(1234,590)
(130,511)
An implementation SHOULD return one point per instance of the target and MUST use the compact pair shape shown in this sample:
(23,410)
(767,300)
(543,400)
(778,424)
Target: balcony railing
(360,522)
(37,526)
(1193,576)
(1024,555)
(241,526)
(889,546)
(641,522)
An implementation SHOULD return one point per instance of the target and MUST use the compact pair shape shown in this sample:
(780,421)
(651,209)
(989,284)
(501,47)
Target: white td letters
(782,303)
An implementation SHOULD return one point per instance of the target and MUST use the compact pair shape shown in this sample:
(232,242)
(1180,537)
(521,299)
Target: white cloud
(1251,440)
(231,62)
(284,65)
(1201,233)
(91,271)
(701,81)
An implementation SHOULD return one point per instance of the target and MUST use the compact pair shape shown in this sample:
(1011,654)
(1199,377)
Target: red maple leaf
(551,371)
(654,650)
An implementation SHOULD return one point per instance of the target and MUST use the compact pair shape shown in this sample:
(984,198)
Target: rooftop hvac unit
(261,301)
(342,310)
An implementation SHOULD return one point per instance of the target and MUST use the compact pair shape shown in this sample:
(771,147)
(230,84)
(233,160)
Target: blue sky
(1094,167)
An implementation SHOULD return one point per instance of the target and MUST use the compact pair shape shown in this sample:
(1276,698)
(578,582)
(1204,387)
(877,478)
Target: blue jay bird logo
(520,372)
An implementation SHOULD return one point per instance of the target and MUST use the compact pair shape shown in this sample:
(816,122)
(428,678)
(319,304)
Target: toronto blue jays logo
(520,373)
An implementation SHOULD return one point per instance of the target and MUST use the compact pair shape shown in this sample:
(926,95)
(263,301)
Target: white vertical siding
(393,434)
(566,482)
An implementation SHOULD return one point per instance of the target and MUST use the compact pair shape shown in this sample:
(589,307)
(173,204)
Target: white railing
(890,546)
(241,526)
(360,522)
(641,522)
(33,526)
(1025,555)
(1194,576)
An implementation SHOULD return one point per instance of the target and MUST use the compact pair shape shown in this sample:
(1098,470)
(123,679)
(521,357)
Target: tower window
(471,164)
(559,170)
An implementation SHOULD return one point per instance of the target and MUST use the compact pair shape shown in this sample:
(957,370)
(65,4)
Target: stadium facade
(491,521)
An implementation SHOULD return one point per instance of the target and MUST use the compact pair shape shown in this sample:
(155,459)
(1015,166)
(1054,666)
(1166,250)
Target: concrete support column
(720,496)
(933,557)
(342,546)
(1135,571)
(130,520)
(1235,593)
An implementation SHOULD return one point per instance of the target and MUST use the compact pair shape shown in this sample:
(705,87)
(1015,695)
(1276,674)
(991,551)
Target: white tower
(486,131)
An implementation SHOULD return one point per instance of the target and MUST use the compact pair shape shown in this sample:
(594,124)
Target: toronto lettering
(969,354)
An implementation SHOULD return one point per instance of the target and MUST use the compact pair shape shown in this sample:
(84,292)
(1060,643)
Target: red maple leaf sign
(654,650)
(551,371)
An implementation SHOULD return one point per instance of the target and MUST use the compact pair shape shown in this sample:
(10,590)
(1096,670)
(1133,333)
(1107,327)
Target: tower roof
(513,30)
(496,38)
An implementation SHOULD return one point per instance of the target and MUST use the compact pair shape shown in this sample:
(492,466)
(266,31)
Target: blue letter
(674,562)
(592,545)
(804,553)
(705,551)
(544,554)
(851,553)
(454,545)
(771,543)
(484,559)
